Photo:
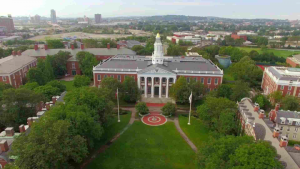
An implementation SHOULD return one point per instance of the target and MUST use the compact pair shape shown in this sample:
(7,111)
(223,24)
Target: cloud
(199,3)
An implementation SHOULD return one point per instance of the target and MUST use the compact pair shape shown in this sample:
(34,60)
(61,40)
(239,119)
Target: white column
(167,88)
(160,86)
(139,82)
(152,87)
(146,86)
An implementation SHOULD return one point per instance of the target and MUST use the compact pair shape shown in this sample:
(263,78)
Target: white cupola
(158,55)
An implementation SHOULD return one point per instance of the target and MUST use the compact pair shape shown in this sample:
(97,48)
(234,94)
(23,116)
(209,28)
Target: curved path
(176,122)
(104,147)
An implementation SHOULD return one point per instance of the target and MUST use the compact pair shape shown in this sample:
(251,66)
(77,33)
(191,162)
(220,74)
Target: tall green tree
(86,63)
(276,96)
(111,85)
(3,87)
(240,90)
(290,103)
(59,63)
(48,91)
(81,80)
(55,44)
(130,90)
(180,91)
(36,75)
(48,72)
(224,90)
(50,144)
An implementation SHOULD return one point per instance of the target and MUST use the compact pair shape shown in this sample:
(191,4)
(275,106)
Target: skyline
(276,9)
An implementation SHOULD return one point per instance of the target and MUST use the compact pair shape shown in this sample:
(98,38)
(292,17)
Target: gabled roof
(12,63)
(157,68)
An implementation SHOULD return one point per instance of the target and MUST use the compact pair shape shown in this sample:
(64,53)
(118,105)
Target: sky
(249,9)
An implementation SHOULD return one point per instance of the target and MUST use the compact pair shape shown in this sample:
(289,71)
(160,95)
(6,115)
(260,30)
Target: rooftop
(12,63)
(285,73)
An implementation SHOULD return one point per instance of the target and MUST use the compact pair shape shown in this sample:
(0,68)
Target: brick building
(72,64)
(8,23)
(15,67)
(155,74)
(235,37)
(286,80)
(293,61)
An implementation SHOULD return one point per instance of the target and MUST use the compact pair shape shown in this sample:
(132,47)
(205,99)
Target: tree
(19,105)
(276,96)
(90,43)
(290,103)
(210,112)
(240,90)
(130,90)
(57,84)
(111,85)
(224,90)
(81,80)
(3,87)
(197,88)
(260,155)
(141,108)
(59,63)
(48,91)
(55,44)
(30,86)
(50,144)
(84,121)
(86,63)
(48,72)
(36,75)
(176,50)
(138,48)
(169,109)
(180,91)
(95,99)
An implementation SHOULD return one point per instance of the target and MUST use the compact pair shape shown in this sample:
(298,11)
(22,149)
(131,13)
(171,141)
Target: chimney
(108,46)
(4,146)
(277,106)
(256,107)
(36,47)
(13,53)
(118,46)
(10,131)
(72,46)
(54,99)
(283,141)
(276,132)
(47,105)
(19,53)
(82,46)
(22,128)
(46,46)
(29,121)
(261,114)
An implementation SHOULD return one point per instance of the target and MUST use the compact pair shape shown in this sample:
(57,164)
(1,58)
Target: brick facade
(292,62)
(2,162)
(73,68)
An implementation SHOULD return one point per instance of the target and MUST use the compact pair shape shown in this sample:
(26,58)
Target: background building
(293,61)
(8,23)
(286,80)
(98,18)
(53,16)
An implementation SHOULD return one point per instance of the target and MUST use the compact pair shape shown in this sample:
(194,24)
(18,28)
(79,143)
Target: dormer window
(298,123)
(282,121)
(290,122)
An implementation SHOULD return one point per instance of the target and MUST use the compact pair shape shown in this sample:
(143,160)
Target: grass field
(146,147)
(281,53)
(196,132)
(227,76)
(69,85)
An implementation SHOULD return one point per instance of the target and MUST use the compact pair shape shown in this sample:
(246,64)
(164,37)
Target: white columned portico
(139,82)
(167,88)
(146,86)
(160,86)
(152,87)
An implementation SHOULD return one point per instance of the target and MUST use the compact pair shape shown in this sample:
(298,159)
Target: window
(74,72)
(105,76)
(287,135)
(4,78)
(208,80)
(281,128)
(282,121)
(296,129)
(288,129)
(294,135)
(216,80)
(99,77)
(142,79)
(164,80)
(288,93)
(290,122)
(188,79)
(119,78)
(73,66)
(202,80)
(298,123)
(290,87)
(281,87)
(196,79)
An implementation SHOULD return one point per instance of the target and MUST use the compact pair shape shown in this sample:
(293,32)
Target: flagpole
(189,123)
(118,105)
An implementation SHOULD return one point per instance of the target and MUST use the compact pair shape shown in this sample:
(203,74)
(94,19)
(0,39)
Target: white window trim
(216,79)
(281,87)
(99,79)
(208,80)
(4,78)
(294,135)
(290,88)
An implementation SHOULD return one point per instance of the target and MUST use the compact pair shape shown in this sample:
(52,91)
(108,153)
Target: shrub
(142,108)
(168,109)
(57,84)
(81,80)
(47,91)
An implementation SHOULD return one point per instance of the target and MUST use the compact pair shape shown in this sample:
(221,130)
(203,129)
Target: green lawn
(196,132)
(69,85)
(114,128)
(281,53)
(146,147)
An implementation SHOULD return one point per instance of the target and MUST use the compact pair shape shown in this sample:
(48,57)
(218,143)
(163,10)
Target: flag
(190,98)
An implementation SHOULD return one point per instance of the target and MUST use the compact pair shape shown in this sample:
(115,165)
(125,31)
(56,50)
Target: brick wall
(102,76)
(3,162)
(269,84)
(210,85)
(70,68)
(291,62)
(102,57)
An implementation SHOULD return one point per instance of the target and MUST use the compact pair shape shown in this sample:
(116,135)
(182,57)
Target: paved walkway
(176,122)
(104,147)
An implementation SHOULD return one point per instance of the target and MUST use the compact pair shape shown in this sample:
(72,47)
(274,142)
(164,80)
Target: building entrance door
(156,91)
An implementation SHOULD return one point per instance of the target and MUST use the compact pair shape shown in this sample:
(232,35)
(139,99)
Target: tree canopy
(86,63)
(81,80)
(130,91)
(55,44)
